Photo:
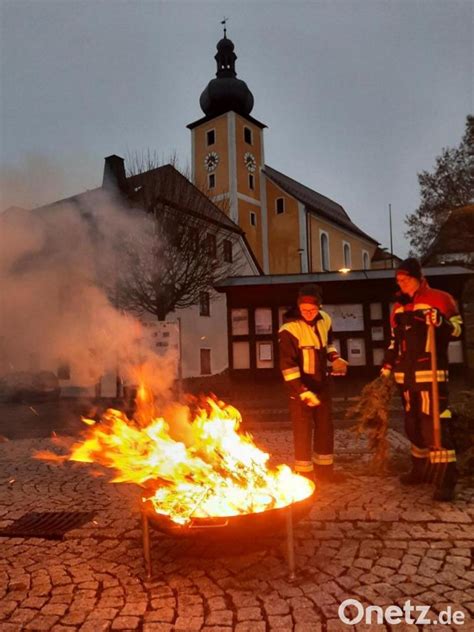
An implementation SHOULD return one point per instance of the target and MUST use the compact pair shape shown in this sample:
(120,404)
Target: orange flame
(199,467)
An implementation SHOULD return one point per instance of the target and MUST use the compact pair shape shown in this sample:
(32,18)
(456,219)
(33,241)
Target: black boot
(418,473)
(446,479)
(327,474)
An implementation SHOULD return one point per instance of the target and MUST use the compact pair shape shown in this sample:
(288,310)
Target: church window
(280,205)
(204,304)
(211,245)
(211,137)
(205,361)
(251,181)
(211,178)
(192,241)
(365,260)
(324,239)
(248,135)
(253,218)
(227,250)
(346,248)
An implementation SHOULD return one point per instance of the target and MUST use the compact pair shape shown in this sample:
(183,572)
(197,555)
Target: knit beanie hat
(411,267)
(310,293)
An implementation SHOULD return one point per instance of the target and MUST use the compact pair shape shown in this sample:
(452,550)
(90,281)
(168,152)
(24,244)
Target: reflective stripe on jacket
(408,353)
(304,351)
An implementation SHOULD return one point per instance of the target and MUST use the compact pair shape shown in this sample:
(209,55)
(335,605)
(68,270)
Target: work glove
(433,317)
(385,371)
(339,367)
(310,399)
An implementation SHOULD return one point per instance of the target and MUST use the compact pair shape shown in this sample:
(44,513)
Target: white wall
(209,332)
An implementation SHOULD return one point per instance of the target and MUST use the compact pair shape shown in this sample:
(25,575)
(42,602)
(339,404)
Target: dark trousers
(313,432)
(418,406)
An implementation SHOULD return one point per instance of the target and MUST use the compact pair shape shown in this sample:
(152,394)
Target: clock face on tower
(211,161)
(250,162)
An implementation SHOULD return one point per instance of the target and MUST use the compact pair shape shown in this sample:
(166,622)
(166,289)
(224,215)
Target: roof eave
(206,118)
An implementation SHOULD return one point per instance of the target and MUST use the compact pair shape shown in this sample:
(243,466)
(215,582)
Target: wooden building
(359,303)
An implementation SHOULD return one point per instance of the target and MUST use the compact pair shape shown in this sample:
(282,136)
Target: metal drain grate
(51,525)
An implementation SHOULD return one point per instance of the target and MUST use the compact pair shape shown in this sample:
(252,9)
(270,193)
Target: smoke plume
(58,268)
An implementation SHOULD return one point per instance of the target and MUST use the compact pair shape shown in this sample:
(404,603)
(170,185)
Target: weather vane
(224,22)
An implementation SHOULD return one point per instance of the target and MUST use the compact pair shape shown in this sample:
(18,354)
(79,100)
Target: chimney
(114,174)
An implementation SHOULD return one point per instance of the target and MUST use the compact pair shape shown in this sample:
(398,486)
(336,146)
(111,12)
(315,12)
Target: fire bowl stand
(290,544)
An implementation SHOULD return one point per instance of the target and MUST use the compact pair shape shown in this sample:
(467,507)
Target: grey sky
(358,95)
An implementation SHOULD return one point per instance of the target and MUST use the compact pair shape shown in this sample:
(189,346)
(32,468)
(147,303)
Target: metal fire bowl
(240,526)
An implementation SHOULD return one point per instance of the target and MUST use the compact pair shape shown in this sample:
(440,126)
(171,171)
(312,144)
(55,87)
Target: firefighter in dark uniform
(408,356)
(305,347)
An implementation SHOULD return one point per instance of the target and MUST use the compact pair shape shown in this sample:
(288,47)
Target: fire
(196,466)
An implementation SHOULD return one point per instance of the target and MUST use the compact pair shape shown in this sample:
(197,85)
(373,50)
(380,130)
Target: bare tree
(187,243)
(449,186)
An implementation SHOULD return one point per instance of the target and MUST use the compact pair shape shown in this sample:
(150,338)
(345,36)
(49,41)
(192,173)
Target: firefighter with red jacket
(408,356)
(306,346)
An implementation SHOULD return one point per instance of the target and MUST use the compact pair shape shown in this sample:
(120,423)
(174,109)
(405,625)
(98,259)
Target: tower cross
(224,22)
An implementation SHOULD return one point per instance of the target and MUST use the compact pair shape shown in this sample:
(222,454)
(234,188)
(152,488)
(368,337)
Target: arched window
(347,254)
(365,260)
(324,252)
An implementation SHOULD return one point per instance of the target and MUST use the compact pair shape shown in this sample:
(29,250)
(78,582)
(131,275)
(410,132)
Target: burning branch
(197,465)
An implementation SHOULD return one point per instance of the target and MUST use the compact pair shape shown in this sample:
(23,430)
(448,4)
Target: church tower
(228,152)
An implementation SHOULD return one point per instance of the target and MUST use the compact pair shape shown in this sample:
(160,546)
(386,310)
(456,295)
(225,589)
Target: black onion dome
(226,92)
(225,44)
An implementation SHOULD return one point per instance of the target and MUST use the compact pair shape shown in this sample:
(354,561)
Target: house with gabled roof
(198,331)
(454,242)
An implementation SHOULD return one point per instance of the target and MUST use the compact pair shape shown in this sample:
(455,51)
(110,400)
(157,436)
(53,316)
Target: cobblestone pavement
(366,539)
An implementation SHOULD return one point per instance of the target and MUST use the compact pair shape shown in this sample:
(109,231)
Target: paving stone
(216,603)
(298,603)
(97,625)
(220,617)
(8,606)
(22,616)
(196,610)
(305,615)
(308,627)
(163,602)
(74,618)
(41,623)
(247,614)
(110,602)
(336,625)
(133,609)
(58,609)
(188,624)
(363,563)
(103,613)
(125,623)
(382,571)
(275,606)
(157,627)
(251,626)
(280,622)
(165,615)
